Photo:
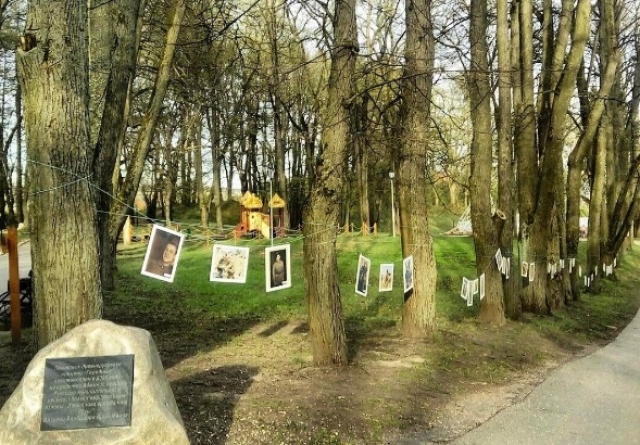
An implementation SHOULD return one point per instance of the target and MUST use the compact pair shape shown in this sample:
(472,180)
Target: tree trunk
(536,225)
(327,333)
(506,183)
(362,161)
(486,234)
(19,194)
(419,309)
(127,193)
(203,201)
(114,64)
(595,211)
(53,64)
(575,167)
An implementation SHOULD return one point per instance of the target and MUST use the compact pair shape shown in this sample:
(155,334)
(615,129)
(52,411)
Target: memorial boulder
(99,384)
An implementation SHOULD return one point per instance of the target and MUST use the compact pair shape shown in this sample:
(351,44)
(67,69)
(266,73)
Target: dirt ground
(241,382)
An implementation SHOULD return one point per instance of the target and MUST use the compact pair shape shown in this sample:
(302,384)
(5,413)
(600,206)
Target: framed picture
(277,267)
(362,275)
(407,273)
(386,278)
(229,264)
(161,259)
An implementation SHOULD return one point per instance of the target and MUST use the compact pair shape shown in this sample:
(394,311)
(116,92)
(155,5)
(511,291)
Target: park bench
(26,300)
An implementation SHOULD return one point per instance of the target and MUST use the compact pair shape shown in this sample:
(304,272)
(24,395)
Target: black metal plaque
(87,392)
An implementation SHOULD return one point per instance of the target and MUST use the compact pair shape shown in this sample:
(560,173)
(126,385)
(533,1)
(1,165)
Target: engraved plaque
(87,392)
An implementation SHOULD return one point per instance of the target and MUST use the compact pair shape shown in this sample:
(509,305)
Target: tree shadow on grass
(207,401)
(273,328)
(302,328)
(361,328)
(178,332)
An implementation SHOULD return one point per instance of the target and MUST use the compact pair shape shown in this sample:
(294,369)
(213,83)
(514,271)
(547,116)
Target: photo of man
(277,268)
(161,259)
(362,275)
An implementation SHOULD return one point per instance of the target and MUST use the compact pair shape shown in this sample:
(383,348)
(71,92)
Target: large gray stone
(155,418)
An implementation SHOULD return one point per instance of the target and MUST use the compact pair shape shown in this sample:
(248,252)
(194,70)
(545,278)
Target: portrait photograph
(362,275)
(524,269)
(277,267)
(386,278)
(163,251)
(229,264)
(407,273)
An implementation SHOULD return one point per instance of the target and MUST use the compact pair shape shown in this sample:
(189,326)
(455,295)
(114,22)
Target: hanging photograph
(407,273)
(469,293)
(386,278)
(532,271)
(524,269)
(498,257)
(229,264)
(161,259)
(482,286)
(362,275)
(465,285)
(277,267)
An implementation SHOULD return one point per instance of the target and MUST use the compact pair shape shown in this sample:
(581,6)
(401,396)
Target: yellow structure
(252,218)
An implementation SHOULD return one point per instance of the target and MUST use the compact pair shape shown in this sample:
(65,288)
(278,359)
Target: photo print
(386,278)
(277,267)
(407,273)
(163,251)
(229,264)
(524,269)
(362,275)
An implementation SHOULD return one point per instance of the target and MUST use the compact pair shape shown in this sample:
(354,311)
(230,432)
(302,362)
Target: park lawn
(240,363)
(193,292)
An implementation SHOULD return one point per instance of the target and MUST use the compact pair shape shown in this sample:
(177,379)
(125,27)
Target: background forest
(526,112)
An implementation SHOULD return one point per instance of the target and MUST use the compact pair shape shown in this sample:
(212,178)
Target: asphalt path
(24,265)
(594,400)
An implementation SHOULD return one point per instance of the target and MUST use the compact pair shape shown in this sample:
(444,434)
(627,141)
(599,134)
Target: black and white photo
(161,259)
(277,267)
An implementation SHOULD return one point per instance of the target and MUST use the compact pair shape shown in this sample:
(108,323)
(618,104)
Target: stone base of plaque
(104,384)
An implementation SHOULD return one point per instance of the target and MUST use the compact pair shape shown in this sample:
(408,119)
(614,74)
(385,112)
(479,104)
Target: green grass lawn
(240,363)
(193,293)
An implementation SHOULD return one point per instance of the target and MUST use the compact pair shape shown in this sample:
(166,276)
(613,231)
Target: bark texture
(321,217)
(418,310)
(53,64)
(485,229)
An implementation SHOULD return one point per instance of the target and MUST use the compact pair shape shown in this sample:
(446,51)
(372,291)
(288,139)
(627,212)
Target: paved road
(24,264)
(594,400)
